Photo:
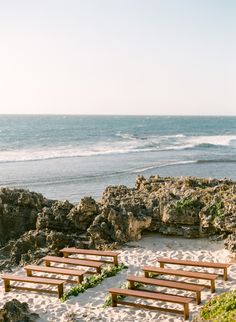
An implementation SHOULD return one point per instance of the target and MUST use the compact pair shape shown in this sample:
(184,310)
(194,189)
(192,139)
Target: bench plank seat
(55,270)
(72,261)
(34,280)
(151,296)
(94,252)
(223,266)
(165,283)
(167,271)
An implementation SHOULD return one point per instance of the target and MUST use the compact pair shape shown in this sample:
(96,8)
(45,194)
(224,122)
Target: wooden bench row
(196,275)
(94,264)
(7,278)
(184,301)
(93,252)
(183,285)
(223,266)
(132,279)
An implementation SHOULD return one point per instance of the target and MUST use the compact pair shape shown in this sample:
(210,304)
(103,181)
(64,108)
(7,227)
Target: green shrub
(187,203)
(216,210)
(221,308)
(93,281)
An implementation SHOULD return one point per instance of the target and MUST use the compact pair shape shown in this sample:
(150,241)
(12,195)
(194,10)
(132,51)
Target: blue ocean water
(68,157)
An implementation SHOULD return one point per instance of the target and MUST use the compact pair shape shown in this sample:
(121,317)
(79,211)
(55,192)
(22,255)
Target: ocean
(69,157)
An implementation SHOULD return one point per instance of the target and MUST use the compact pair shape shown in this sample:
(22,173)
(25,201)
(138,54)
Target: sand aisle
(88,306)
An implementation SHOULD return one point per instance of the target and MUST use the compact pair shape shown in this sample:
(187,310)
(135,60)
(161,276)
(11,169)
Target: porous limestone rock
(18,212)
(16,311)
(83,214)
(33,245)
(55,217)
(118,226)
(230,243)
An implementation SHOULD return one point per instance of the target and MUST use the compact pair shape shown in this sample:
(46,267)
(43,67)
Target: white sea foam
(222,140)
(128,144)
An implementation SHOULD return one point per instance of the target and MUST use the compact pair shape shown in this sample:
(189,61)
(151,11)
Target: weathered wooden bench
(72,261)
(165,283)
(7,278)
(55,270)
(72,250)
(167,271)
(223,266)
(184,301)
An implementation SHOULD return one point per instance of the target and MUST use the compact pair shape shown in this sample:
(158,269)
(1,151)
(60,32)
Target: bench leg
(99,270)
(114,300)
(131,285)
(66,254)
(225,274)
(162,265)
(60,291)
(146,274)
(115,261)
(80,279)
(186,311)
(7,285)
(213,286)
(47,263)
(198,297)
(29,272)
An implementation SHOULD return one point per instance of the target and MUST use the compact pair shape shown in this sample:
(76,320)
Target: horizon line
(103,114)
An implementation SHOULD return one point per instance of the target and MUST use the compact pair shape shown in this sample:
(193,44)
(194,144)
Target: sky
(161,57)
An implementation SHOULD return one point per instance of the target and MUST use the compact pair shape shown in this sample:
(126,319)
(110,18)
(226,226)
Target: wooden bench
(56,270)
(7,278)
(72,250)
(167,271)
(223,266)
(151,296)
(164,283)
(72,261)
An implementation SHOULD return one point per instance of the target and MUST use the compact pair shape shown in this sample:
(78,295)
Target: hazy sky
(118,56)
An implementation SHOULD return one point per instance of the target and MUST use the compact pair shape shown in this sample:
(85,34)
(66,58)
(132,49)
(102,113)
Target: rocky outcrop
(15,311)
(44,228)
(230,243)
(183,206)
(83,214)
(18,212)
(120,219)
(55,217)
(34,244)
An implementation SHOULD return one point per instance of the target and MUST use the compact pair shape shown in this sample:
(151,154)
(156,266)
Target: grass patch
(221,308)
(93,281)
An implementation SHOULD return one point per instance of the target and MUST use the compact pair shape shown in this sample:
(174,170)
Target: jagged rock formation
(18,212)
(15,311)
(184,206)
(83,214)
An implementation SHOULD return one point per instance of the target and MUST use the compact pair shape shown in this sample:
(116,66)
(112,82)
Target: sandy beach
(88,306)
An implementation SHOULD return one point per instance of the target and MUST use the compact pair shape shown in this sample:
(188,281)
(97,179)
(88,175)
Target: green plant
(221,308)
(216,210)
(185,203)
(93,281)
